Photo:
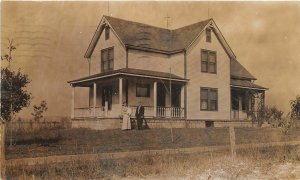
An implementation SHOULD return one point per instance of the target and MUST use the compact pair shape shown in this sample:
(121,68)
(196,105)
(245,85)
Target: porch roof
(245,84)
(131,72)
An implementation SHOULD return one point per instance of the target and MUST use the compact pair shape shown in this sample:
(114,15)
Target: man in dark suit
(139,114)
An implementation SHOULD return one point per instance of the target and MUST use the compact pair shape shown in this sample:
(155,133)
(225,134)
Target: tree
(39,110)
(14,96)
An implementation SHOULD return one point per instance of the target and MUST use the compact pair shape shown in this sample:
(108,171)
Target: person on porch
(139,114)
(126,125)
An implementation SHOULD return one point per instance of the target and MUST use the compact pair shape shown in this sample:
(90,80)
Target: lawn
(265,163)
(47,142)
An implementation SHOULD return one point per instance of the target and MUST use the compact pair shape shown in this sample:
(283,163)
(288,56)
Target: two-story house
(189,76)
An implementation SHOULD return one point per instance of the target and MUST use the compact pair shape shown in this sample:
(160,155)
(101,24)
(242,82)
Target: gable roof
(134,34)
(147,37)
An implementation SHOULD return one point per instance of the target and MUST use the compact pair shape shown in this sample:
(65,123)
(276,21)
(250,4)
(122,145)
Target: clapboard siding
(156,62)
(119,53)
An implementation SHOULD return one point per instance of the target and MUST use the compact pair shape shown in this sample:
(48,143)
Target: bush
(272,115)
(295,108)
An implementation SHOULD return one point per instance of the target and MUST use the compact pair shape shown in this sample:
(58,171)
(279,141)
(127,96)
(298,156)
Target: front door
(176,92)
(107,96)
(176,95)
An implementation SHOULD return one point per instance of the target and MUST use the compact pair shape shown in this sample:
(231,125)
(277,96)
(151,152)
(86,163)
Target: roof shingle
(237,71)
(150,37)
(245,84)
(143,35)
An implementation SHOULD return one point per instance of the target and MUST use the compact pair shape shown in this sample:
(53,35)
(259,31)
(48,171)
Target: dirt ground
(49,142)
(239,169)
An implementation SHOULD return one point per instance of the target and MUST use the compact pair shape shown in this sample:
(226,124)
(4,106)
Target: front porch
(162,95)
(247,100)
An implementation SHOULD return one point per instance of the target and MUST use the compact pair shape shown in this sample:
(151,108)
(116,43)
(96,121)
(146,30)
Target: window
(208,35)
(208,61)
(209,124)
(209,99)
(107,29)
(142,90)
(107,59)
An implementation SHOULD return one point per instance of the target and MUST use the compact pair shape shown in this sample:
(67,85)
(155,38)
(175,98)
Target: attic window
(208,35)
(107,29)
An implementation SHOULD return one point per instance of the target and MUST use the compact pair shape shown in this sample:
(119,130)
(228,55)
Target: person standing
(139,114)
(126,125)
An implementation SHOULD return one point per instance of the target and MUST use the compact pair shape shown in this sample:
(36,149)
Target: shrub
(272,115)
(295,108)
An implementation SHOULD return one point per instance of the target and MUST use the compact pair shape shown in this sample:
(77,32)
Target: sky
(52,37)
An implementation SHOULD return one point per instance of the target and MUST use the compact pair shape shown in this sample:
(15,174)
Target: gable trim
(220,37)
(97,35)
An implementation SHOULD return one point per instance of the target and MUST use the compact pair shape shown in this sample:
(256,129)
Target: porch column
(94,99)
(185,101)
(154,98)
(182,101)
(240,103)
(73,103)
(120,93)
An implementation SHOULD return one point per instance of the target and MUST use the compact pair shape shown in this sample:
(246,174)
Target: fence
(29,128)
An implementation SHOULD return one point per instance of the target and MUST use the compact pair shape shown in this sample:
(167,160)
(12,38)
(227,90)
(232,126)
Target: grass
(52,141)
(194,166)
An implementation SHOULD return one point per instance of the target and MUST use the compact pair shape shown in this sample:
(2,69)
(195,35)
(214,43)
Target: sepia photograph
(150,90)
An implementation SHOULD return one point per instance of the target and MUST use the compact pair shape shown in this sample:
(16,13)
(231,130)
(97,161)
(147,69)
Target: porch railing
(161,112)
(174,112)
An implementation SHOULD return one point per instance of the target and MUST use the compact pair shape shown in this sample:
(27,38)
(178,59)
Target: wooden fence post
(232,141)
(2,150)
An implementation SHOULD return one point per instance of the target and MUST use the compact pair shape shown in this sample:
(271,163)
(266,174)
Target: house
(189,76)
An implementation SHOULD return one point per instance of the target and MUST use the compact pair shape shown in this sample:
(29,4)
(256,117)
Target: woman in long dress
(126,125)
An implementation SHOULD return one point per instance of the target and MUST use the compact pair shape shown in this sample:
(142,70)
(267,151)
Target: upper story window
(107,59)
(208,99)
(208,61)
(208,35)
(107,31)
(142,90)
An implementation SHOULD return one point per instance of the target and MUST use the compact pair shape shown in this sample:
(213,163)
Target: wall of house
(156,62)
(119,53)
(133,100)
(198,79)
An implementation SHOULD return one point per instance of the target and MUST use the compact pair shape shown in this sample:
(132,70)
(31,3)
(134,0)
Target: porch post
(185,102)
(182,102)
(154,98)
(94,99)
(120,93)
(73,103)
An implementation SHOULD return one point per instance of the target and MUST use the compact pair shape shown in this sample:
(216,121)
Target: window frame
(208,34)
(207,62)
(209,99)
(109,61)
(142,85)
